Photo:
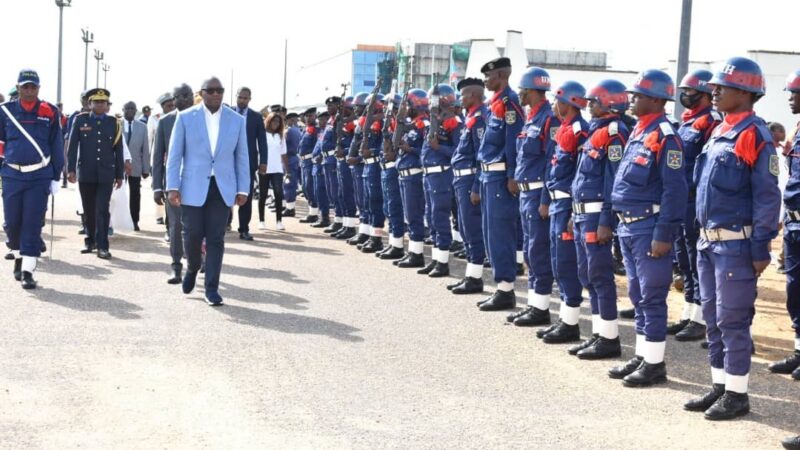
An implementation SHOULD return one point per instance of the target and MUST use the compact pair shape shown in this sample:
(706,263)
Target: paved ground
(319,346)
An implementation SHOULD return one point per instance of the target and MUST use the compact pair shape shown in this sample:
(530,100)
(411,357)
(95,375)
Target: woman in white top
(277,162)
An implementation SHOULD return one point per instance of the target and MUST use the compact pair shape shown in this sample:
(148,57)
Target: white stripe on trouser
(415,247)
(396,241)
(28,263)
(376,232)
(687,311)
(569,314)
(363,228)
(520,257)
(444,256)
(313,211)
(609,329)
(640,340)
(505,286)
(538,301)
(736,383)
(697,314)
(596,323)
(717,376)
(474,270)
(653,352)
(337,219)
(289,205)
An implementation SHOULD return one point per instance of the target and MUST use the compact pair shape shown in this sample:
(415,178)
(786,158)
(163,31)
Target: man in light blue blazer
(208,170)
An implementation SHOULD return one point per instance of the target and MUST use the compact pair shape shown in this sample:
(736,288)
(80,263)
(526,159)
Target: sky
(153,45)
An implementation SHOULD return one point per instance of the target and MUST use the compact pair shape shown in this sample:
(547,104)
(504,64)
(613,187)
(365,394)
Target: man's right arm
(177,145)
(72,151)
(158,158)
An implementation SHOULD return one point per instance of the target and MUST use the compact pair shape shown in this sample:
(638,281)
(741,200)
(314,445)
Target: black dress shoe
(520,269)
(412,260)
(676,327)
(441,270)
(9,256)
(288,212)
(373,245)
(103,254)
(563,333)
(469,285)
(603,348)
(160,221)
(534,317)
(646,375)
(500,301)
(188,282)
(627,313)
(574,349)
(791,443)
(335,226)
(619,268)
(730,406)
(786,365)
(82,231)
(796,374)
(514,315)
(428,241)
(392,253)
(245,236)
(452,285)
(18,269)
(540,333)
(487,264)
(358,239)
(309,219)
(136,227)
(460,255)
(427,269)
(177,268)
(346,233)
(456,246)
(620,372)
(705,401)
(405,257)
(692,332)
(27,280)
(88,247)
(704,345)
(321,223)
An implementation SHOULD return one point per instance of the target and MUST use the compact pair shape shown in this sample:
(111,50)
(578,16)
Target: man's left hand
(659,249)
(241,199)
(145,175)
(759,266)
(118,183)
(128,168)
(262,169)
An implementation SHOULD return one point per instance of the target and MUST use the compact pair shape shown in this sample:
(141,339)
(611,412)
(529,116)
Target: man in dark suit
(257,149)
(96,154)
(134,137)
(184,98)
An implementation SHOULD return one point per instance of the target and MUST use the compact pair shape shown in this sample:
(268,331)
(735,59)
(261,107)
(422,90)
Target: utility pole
(87,38)
(285,59)
(106,68)
(61,4)
(683,51)
(98,55)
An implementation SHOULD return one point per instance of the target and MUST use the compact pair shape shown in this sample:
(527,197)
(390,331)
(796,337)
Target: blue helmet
(380,101)
(418,99)
(446,93)
(573,94)
(654,83)
(610,95)
(361,99)
(698,80)
(793,82)
(348,102)
(535,78)
(395,99)
(741,73)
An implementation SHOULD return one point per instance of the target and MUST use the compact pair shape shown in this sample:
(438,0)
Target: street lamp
(88,38)
(61,4)
(98,55)
(106,68)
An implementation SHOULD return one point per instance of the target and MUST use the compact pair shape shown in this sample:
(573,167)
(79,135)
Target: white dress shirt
(276,147)
(212,125)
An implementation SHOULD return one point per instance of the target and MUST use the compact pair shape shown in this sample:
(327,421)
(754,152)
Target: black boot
(692,332)
(309,219)
(18,269)
(9,256)
(288,212)
(440,270)
(88,246)
(469,285)
(705,401)
(573,350)
(602,348)
(322,223)
(646,375)
(730,406)
(373,245)
(620,372)
(460,255)
(346,233)
(540,333)
(534,317)
(784,366)
(514,315)
(177,268)
(393,253)
(499,301)
(456,246)
(412,260)
(791,443)
(457,283)
(27,280)
(627,313)
(563,333)
(358,239)
(335,226)
(427,269)
(676,327)
(405,257)
(796,374)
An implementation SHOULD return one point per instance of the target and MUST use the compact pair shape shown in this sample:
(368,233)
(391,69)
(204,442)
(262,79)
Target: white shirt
(276,147)
(212,125)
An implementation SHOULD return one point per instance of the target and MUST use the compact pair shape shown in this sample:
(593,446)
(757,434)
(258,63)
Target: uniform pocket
(728,173)
(636,174)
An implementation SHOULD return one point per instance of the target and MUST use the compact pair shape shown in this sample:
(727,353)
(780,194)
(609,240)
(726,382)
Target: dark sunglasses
(213,91)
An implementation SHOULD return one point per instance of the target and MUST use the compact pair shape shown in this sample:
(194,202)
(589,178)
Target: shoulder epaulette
(666,129)
(613,128)
(576,127)
(716,115)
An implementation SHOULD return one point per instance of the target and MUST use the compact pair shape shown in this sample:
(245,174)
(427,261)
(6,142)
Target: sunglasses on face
(213,91)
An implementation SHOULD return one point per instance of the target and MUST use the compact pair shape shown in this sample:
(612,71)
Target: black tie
(128,137)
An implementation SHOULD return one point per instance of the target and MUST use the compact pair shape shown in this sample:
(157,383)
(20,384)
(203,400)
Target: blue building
(367,61)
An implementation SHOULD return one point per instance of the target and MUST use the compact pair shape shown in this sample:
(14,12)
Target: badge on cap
(674,159)
(774,165)
(614,153)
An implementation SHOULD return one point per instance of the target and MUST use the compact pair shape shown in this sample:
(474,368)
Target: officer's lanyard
(25,133)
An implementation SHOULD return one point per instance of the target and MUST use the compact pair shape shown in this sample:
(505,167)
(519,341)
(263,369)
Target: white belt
(532,186)
(410,172)
(794,216)
(371,160)
(721,234)
(388,164)
(30,167)
(329,153)
(559,195)
(623,219)
(587,208)
(435,169)
(306,156)
(464,172)
(494,167)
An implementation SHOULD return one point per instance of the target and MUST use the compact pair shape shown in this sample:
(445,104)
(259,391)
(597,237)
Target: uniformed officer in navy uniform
(649,198)
(95,162)
(499,204)
(33,147)
(738,209)
(308,141)
(390,184)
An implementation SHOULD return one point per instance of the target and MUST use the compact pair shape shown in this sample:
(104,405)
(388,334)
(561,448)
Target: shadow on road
(262,273)
(290,323)
(263,296)
(114,307)
(85,271)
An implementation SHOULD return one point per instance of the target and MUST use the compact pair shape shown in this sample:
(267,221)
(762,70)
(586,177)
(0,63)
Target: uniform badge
(479,131)
(553,132)
(674,159)
(614,153)
(774,165)
(511,117)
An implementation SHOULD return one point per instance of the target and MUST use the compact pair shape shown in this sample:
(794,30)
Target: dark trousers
(24,205)
(264,182)
(96,198)
(791,248)
(246,210)
(648,285)
(686,254)
(596,267)
(175,230)
(536,232)
(135,185)
(206,222)
(500,220)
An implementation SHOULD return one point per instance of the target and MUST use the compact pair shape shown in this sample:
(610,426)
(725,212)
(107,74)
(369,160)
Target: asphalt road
(319,346)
